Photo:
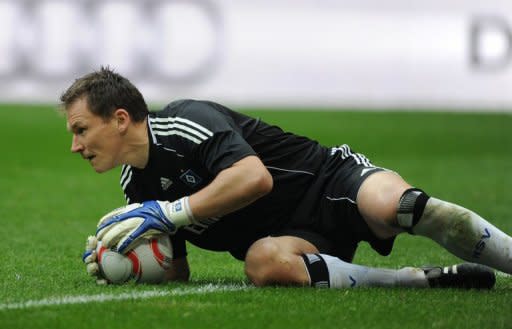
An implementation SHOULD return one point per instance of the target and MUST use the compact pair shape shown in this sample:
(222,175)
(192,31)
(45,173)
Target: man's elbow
(263,183)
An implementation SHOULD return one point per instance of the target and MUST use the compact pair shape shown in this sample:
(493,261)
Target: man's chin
(100,170)
(101,167)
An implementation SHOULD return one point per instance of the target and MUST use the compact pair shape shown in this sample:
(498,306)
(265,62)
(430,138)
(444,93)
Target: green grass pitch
(51,200)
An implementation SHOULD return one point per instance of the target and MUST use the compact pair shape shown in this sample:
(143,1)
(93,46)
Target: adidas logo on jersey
(166,183)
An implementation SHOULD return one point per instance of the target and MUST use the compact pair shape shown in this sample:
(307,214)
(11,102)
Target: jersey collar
(151,135)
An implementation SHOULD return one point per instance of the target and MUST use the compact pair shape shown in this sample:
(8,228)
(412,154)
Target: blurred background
(393,54)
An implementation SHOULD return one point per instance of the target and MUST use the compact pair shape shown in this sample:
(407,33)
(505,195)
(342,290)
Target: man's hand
(90,259)
(124,226)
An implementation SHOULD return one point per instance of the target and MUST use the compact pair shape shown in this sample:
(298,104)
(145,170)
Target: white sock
(465,234)
(341,274)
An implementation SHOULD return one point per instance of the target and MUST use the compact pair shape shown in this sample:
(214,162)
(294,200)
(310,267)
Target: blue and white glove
(123,226)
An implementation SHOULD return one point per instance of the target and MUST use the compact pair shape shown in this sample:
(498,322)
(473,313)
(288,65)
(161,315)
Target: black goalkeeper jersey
(192,141)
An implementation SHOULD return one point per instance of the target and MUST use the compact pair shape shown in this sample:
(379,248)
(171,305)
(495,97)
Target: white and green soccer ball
(148,262)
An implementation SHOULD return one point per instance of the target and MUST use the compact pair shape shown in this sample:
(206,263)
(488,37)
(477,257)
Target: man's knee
(278,260)
(260,260)
(377,201)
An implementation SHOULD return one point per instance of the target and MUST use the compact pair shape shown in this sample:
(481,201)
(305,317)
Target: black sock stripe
(317,269)
(414,205)
(419,207)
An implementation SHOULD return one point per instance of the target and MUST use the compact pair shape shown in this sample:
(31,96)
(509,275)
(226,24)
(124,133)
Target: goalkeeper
(293,210)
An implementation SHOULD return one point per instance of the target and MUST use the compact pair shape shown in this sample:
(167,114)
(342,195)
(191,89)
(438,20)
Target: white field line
(147,294)
(136,295)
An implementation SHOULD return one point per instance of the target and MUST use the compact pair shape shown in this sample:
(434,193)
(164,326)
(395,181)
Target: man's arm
(179,270)
(234,188)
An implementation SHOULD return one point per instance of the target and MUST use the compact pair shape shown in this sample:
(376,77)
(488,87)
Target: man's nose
(75,145)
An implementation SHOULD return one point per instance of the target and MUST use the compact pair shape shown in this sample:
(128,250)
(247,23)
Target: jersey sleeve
(224,143)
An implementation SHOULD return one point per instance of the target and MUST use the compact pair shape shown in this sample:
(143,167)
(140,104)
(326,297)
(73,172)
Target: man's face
(98,141)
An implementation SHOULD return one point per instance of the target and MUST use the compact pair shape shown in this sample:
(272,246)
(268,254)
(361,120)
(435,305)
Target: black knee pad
(410,208)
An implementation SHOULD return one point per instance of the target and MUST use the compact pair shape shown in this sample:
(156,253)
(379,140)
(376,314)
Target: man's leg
(277,260)
(390,206)
(291,260)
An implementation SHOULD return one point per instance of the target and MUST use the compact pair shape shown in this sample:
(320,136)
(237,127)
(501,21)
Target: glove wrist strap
(178,212)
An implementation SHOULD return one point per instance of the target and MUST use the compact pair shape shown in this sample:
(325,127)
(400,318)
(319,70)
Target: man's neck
(137,145)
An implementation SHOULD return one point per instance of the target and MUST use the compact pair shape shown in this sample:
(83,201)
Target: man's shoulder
(182,120)
(172,109)
(185,107)
(203,118)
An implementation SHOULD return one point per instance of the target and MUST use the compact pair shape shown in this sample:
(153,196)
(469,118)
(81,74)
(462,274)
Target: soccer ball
(146,263)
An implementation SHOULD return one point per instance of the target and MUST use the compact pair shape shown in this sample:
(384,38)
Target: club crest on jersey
(190,178)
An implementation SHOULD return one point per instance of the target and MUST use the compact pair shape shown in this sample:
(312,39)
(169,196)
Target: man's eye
(80,131)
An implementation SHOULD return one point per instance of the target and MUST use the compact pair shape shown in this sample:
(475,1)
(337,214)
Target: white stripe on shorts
(346,152)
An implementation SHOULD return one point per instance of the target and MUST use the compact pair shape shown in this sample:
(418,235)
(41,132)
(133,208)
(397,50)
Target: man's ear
(122,119)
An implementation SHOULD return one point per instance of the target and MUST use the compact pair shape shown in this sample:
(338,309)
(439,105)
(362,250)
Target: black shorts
(328,216)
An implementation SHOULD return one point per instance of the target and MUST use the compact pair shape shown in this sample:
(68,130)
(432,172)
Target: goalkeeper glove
(90,259)
(124,226)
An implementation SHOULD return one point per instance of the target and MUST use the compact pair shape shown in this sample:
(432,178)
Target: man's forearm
(233,188)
